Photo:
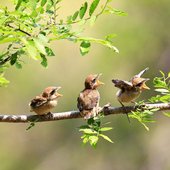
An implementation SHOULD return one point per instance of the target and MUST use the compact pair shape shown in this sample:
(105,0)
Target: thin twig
(20,30)
(76,114)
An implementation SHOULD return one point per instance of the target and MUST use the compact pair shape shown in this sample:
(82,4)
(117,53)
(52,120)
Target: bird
(130,90)
(45,102)
(88,99)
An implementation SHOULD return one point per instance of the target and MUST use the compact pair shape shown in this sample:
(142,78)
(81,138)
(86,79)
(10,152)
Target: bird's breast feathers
(88,99)
(127,96)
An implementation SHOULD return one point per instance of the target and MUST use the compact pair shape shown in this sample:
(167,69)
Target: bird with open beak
(88,99)
(130,90)
(45,102)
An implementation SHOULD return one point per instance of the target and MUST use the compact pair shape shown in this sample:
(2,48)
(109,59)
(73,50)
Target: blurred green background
(143,39)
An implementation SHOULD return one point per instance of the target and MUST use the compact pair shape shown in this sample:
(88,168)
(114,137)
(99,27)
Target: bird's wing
(142,72)
(87,100)
(37,101)
(121,84)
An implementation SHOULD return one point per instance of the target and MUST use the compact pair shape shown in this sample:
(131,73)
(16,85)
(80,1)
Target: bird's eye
(94,80)
(52,92)
(139,84)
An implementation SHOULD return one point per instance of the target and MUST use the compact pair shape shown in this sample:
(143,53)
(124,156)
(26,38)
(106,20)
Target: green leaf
(169,74)
(111,10)
(93,140)
(43,2)
(3,81)
(18,4)
(83,10)
(39,45)
(85,47)
(159,83)
(13,58)
(105,129)
(145,126)
(74,17)
(93,6)
(88,131)
(162,90)
(18,65)
(85,139)
(32,50)
(100,41)
(44,60)
(106,138)
(167,114)
(49,51)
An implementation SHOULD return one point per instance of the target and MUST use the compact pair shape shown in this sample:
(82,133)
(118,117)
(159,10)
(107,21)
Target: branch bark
(76,114)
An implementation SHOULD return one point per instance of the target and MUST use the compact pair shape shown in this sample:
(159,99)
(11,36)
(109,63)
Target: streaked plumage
(46,101)
(88,100)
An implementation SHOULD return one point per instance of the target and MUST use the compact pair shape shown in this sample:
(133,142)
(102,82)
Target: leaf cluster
(93,131)
(29,29)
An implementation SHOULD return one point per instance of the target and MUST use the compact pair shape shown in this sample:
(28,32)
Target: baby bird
(88,100)
(130,90)
(45,102)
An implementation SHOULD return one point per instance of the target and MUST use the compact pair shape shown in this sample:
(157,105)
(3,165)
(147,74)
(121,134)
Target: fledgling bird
(45,102)
(130,90)
(88,100)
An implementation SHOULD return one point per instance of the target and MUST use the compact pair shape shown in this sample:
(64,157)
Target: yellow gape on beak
(58,94)
(145,87)
(98,83)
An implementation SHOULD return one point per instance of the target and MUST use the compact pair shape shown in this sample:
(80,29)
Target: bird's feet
(49,115)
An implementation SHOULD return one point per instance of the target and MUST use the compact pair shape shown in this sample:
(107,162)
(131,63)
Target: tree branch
(76,114)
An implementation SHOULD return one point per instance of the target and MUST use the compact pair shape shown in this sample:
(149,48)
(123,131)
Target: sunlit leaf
(39,45)
(74,17)
(44,62)
(167,114)
(85,47)
(43,2)
(93,6)
(93,140)
(88,131)
(13,58)
(106,129)
(49,51)
(162,90)
(83,10)
(106,138)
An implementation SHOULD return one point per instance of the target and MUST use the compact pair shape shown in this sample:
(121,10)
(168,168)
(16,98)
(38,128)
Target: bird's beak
(57,88)
(59,95)
(145,87)
(99,82)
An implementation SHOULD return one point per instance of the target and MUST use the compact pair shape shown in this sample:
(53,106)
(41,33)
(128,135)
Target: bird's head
(92,81)
(51,92)
(139,83)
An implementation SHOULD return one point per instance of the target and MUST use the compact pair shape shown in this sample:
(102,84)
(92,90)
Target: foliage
(143,114)
(29,29)
(93,130)
(162,86)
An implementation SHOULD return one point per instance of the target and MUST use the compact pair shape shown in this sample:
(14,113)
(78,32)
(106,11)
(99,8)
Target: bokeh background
(143,39)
